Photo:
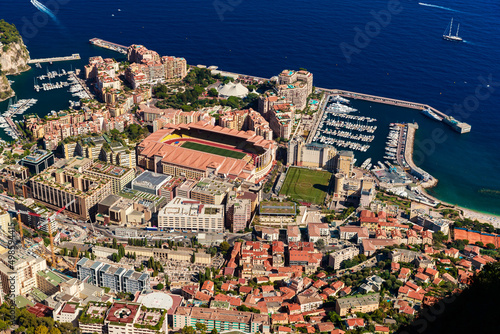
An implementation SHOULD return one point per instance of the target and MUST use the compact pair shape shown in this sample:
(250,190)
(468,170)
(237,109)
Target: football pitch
(306,185)
(213,150)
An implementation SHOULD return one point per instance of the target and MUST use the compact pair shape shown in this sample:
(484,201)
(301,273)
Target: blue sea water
(406,59)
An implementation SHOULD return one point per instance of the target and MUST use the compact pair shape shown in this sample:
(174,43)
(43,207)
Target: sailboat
(450,37)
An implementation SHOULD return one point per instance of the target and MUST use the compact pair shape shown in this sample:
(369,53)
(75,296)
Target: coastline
(482,217)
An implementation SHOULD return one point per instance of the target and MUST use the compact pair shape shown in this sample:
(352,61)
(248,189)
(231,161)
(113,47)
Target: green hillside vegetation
(8,34)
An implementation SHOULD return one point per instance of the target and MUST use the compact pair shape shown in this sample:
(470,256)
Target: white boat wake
(440,7)
(41,7)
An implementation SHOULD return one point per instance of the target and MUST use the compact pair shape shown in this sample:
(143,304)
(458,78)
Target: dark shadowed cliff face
(13,57)
(475,310)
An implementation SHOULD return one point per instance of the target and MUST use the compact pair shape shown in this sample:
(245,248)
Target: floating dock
(109,45)
(74,56)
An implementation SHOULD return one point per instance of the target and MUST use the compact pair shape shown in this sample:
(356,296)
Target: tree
(320,244)
(201,327)
(74,252)
(193,258)
(54,330)
(41,330)
(159,286)
(224,247)
(188,330)
(490,245)
(213,92)
(214,331)
(479,243)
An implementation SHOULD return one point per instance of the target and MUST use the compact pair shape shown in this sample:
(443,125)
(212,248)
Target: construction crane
(48,221)
(19,212)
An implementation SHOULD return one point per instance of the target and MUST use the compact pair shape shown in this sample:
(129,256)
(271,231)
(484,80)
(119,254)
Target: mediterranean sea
(346,44)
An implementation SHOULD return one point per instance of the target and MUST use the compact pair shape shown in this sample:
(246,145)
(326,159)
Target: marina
(460,127)
(17,108)
(339,128)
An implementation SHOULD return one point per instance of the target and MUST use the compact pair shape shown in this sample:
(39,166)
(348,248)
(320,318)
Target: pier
(74,56)
(109,45)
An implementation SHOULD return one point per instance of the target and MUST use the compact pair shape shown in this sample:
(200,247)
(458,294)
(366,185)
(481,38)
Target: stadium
(197,150)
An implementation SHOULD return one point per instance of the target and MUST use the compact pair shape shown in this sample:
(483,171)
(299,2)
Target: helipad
(156,300)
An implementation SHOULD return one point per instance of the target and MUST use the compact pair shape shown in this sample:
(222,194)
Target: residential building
(48,282)
(364,304)
(185,214)
(119,176)
(18,272)
(114,277)
(336,258)
(309,302)
(210,191)
(238,212)
(293,233)
(295,87)
(222,320)
(353,232)
(57,187)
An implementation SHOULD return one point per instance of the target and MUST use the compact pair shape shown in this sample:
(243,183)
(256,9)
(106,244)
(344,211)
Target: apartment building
(221,320)
(336,258)
(238,213)
(282,120)
(358,303)
(295,87)
(19,270)
(114,277)
(175,67)
(119,176)
(186,214)
(210,191)
(56,187)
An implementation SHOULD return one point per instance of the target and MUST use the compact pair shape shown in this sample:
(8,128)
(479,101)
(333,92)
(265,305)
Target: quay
(109,45)
(74,56)
(13,126)
(429,180)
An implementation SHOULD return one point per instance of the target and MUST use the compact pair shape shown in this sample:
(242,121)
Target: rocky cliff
(5,90)
(13,57)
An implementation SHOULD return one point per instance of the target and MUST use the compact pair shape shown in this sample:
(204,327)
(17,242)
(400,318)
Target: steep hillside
(13,57)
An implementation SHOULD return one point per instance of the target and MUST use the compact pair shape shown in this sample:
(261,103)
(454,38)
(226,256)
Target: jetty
(74,56)
(109,45)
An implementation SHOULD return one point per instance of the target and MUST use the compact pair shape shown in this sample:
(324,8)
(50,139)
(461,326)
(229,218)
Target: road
(366,264)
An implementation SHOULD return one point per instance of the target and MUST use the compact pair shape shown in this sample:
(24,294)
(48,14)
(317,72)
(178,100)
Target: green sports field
(213,150)
(306,185)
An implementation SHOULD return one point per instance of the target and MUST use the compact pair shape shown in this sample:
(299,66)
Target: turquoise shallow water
(405,59)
